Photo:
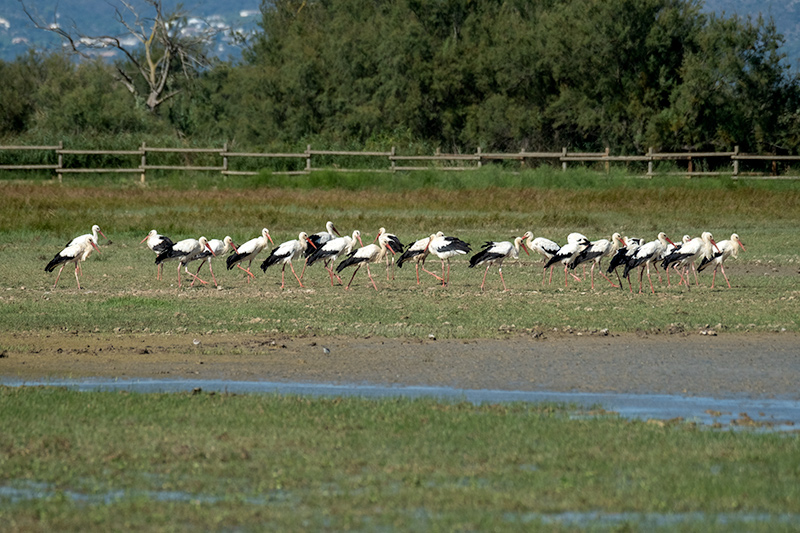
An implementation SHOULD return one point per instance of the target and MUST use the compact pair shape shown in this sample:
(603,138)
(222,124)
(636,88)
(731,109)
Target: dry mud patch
(753,365)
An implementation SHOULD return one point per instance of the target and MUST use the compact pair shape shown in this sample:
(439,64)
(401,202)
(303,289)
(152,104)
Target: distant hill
(17,34)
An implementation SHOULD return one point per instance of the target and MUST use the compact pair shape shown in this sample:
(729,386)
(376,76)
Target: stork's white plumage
(183,252)
(646,255)
(248,251)
(321,237)
(157,243)
(396,246)
(494,253)
(215,248)
(372,253)
(287,252)
(622,256)
(72,253)
(596,251)
(726,249)
(683,256)
(332,250)
(83,240)
(444,248)
(417,252)
(576,243)
(544,247)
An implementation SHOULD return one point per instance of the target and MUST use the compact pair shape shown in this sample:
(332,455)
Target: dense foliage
(454,74)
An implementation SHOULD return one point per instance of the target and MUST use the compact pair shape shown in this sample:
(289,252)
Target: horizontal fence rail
(138,163)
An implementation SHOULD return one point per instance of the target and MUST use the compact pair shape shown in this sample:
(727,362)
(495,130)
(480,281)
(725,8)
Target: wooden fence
(729,161)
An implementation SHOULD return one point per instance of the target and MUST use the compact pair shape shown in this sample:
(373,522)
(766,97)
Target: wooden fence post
(225,160)
(650,162)
(144,164)
(736,162)
(563,160)
(308,159)
(608,165)
(478,153)
(393,163)
(60,161)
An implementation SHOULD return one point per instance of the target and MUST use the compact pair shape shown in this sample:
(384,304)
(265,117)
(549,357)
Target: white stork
(565,255)
(82,239)
(681,257)
(318,240)
(372,253)
(395,245)
(216,248)
(544,247)
(725,249)
(287,252)
(72,253)
(646,255)
(596,251)
(444,248)
(321,237)
(417,252)
(622,256)
(248,251)
(157,243)
(494,253)
(332,250)
(183,252)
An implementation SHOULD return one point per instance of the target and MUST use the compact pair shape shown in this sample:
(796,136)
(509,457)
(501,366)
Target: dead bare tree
(162,50)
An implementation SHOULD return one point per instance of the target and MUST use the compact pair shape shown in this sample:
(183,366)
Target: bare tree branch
(164,53)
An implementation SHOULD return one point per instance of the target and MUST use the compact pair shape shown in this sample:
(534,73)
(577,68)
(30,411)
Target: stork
(622,256)
(72,253)
(331,250)
(81,239)
(596,251)
(576,243)
(395,246)
(444,248)
(287,252)
(216,248)
(646,255)
(248,251)
(417,252)
(544,247)
(725,249)
(494,253)
(686,254)
(321,237)
(318,240)
(183,252)
(157,243)
(372,253)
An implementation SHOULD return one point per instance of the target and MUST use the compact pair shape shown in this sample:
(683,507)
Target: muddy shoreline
(723,365)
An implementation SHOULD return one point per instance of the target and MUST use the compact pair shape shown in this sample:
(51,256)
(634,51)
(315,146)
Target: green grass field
(121,291)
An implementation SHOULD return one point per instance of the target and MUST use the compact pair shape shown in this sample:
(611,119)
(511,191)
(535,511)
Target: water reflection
(20,491)
(771,414)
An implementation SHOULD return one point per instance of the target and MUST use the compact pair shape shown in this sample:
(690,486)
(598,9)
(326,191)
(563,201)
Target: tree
(159,57)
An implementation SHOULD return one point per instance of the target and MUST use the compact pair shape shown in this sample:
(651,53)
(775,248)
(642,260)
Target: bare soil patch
(753,365)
